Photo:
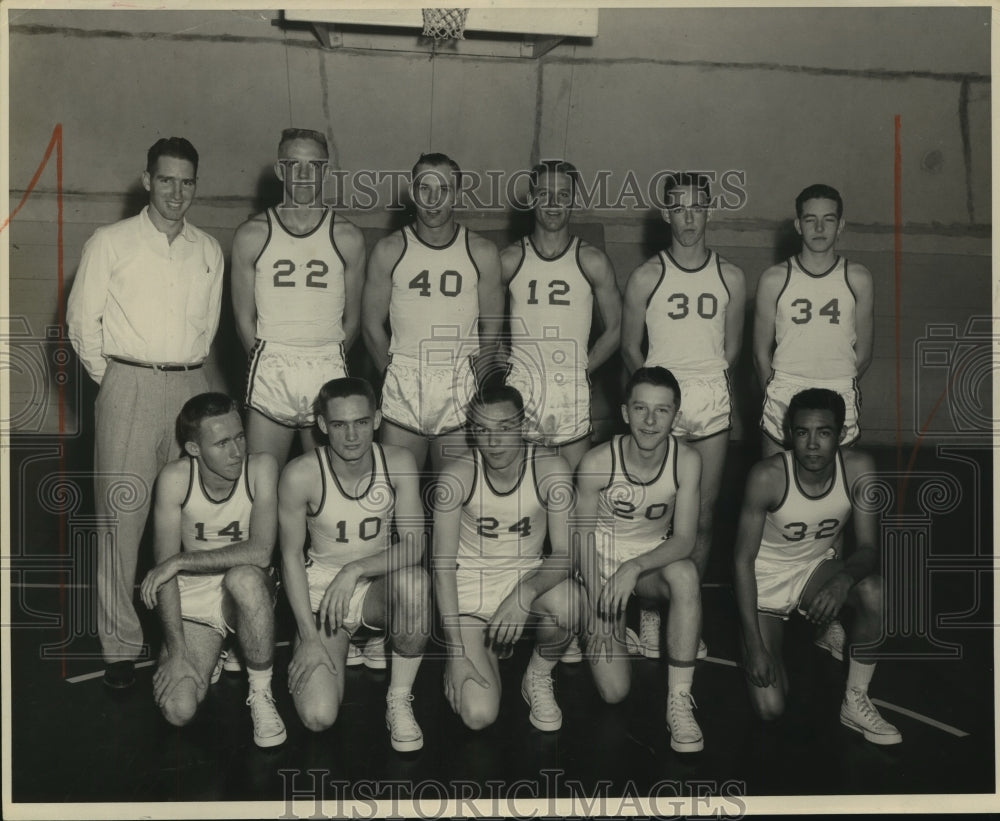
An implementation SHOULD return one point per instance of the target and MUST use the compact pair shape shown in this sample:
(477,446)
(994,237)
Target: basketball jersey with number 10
(346,528)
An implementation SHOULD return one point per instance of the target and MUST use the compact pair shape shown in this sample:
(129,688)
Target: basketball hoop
(444,24)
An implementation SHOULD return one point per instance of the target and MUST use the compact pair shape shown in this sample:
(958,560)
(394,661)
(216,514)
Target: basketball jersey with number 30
(814,324)
(208,524)
(686,318)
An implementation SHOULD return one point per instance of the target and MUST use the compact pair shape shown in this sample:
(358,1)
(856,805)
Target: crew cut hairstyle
(493,393)
(820,399)
(553,167)
(176,147)
(197,409)
(290,134)
(656,375)
(687,179)
(342,388)
(436,158)
(819,191)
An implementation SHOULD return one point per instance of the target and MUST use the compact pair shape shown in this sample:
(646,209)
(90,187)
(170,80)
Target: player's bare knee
(181,708)
(410,589)
(868,593)
(682,577)
(612,691)
(478,713)
(769,705)
(245,583)
(318,716)
(557,607)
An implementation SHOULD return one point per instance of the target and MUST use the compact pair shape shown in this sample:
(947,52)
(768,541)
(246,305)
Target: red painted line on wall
(897,207)
(62,355)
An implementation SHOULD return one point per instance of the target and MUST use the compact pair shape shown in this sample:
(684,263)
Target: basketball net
(444,24)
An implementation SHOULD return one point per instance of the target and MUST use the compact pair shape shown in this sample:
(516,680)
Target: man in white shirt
(142,315)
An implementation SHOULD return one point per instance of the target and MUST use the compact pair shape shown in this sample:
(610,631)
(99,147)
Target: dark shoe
(120,675)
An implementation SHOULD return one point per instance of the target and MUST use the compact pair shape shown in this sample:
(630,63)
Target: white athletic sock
(859,675)
(680,677)
(403,672)
(259,679)
(540,665)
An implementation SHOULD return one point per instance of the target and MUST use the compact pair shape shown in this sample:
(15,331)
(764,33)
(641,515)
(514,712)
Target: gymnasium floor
(75,741)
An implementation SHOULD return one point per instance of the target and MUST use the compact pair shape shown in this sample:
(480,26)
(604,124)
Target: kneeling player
(638,494)
(216,514)
(491,515)
(356,575)
(796,505)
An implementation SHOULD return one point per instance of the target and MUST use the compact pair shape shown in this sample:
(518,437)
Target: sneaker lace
(543,697)
(401,714)
(649,627)
(681,708)
(867,709)
(264,711)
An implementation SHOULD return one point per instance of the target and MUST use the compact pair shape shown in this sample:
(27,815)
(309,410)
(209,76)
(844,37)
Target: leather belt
(156,367)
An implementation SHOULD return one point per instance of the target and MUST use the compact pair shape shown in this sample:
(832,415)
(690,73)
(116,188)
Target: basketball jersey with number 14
(207,523)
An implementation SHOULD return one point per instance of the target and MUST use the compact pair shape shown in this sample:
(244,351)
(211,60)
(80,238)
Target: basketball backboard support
(508,32)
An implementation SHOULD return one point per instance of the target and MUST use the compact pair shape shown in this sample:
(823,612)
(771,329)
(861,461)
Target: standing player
(142,315)
(638,495)
(814,312)
(797,503)
(691,302)
(216,516)
(553,279)
(439,286)
(357,575)
(298,272)
(491,516)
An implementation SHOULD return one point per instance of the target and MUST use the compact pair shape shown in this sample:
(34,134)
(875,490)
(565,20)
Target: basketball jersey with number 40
(434,303)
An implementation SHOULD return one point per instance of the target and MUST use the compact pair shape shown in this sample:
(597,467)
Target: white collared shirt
(140,297)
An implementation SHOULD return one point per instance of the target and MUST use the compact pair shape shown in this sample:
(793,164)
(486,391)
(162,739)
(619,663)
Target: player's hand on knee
(611,603)
(172,671)
(308,656)
(155,579)
(828,601)
(457,671)
(335,606)
(760,669)
(506,625)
